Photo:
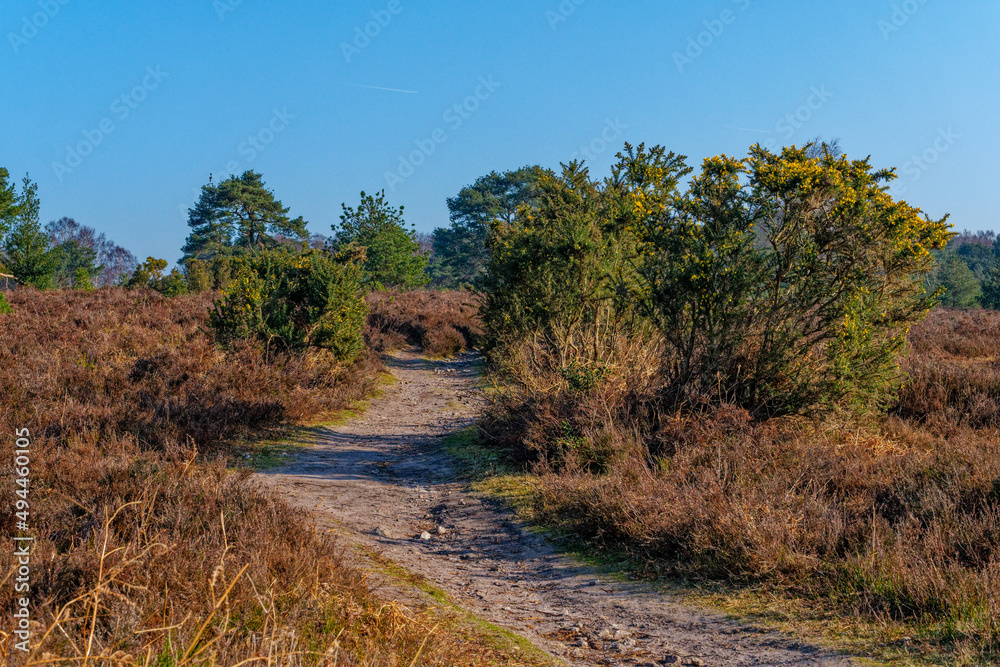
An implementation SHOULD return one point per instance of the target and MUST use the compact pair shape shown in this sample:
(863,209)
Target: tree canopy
(105,262)
(391,251)
(28,254)
(459,251)
(236,216)
(8,202)
(967,272)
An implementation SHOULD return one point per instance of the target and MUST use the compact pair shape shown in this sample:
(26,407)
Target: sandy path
(382,479)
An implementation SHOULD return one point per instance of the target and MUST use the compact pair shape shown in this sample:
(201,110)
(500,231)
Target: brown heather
(443,323)
(149,549)
(954,369)
(892,520)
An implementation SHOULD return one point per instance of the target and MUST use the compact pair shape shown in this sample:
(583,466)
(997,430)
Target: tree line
(63,254)
(967,273)
(240,216)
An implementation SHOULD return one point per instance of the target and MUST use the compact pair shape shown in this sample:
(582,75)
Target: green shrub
(778,283)
(199,278)
(293,301)
(4,304)
(560,281)
(82,280)
(173,284)
(148,274)
(787,283)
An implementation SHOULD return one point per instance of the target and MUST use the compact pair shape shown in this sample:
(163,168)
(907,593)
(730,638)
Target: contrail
(394,90)
(748,129)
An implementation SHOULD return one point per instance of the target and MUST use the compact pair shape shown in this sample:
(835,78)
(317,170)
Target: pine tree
(391,251)
(28,252)
(83,280)
(8,202)
(236,216)
(75,260)
(958,284)
(460,252)
(209,236)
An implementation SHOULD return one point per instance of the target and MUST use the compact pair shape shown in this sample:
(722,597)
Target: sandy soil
(383,479)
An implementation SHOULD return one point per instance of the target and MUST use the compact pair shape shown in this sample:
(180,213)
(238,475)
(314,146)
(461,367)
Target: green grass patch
(270,455)
(478,462)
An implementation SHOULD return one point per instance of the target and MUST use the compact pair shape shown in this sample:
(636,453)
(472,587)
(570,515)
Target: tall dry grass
(149,549)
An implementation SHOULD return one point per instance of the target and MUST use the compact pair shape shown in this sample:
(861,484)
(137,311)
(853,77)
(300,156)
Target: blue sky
(193,87)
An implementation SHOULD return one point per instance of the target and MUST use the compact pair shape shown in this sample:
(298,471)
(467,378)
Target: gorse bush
(779,283)
(148,274)
(207,275)
(198,275)
(893,521)
(788,282)
(293,301)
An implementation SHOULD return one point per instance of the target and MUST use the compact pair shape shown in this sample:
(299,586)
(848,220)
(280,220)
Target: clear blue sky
(891,80)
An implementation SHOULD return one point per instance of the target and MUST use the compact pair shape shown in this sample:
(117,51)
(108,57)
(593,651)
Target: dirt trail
(382,479)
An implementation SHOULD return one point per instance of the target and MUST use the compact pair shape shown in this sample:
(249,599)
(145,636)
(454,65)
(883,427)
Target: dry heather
(443,323)
(148,549)
(897,519)
(954,370)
